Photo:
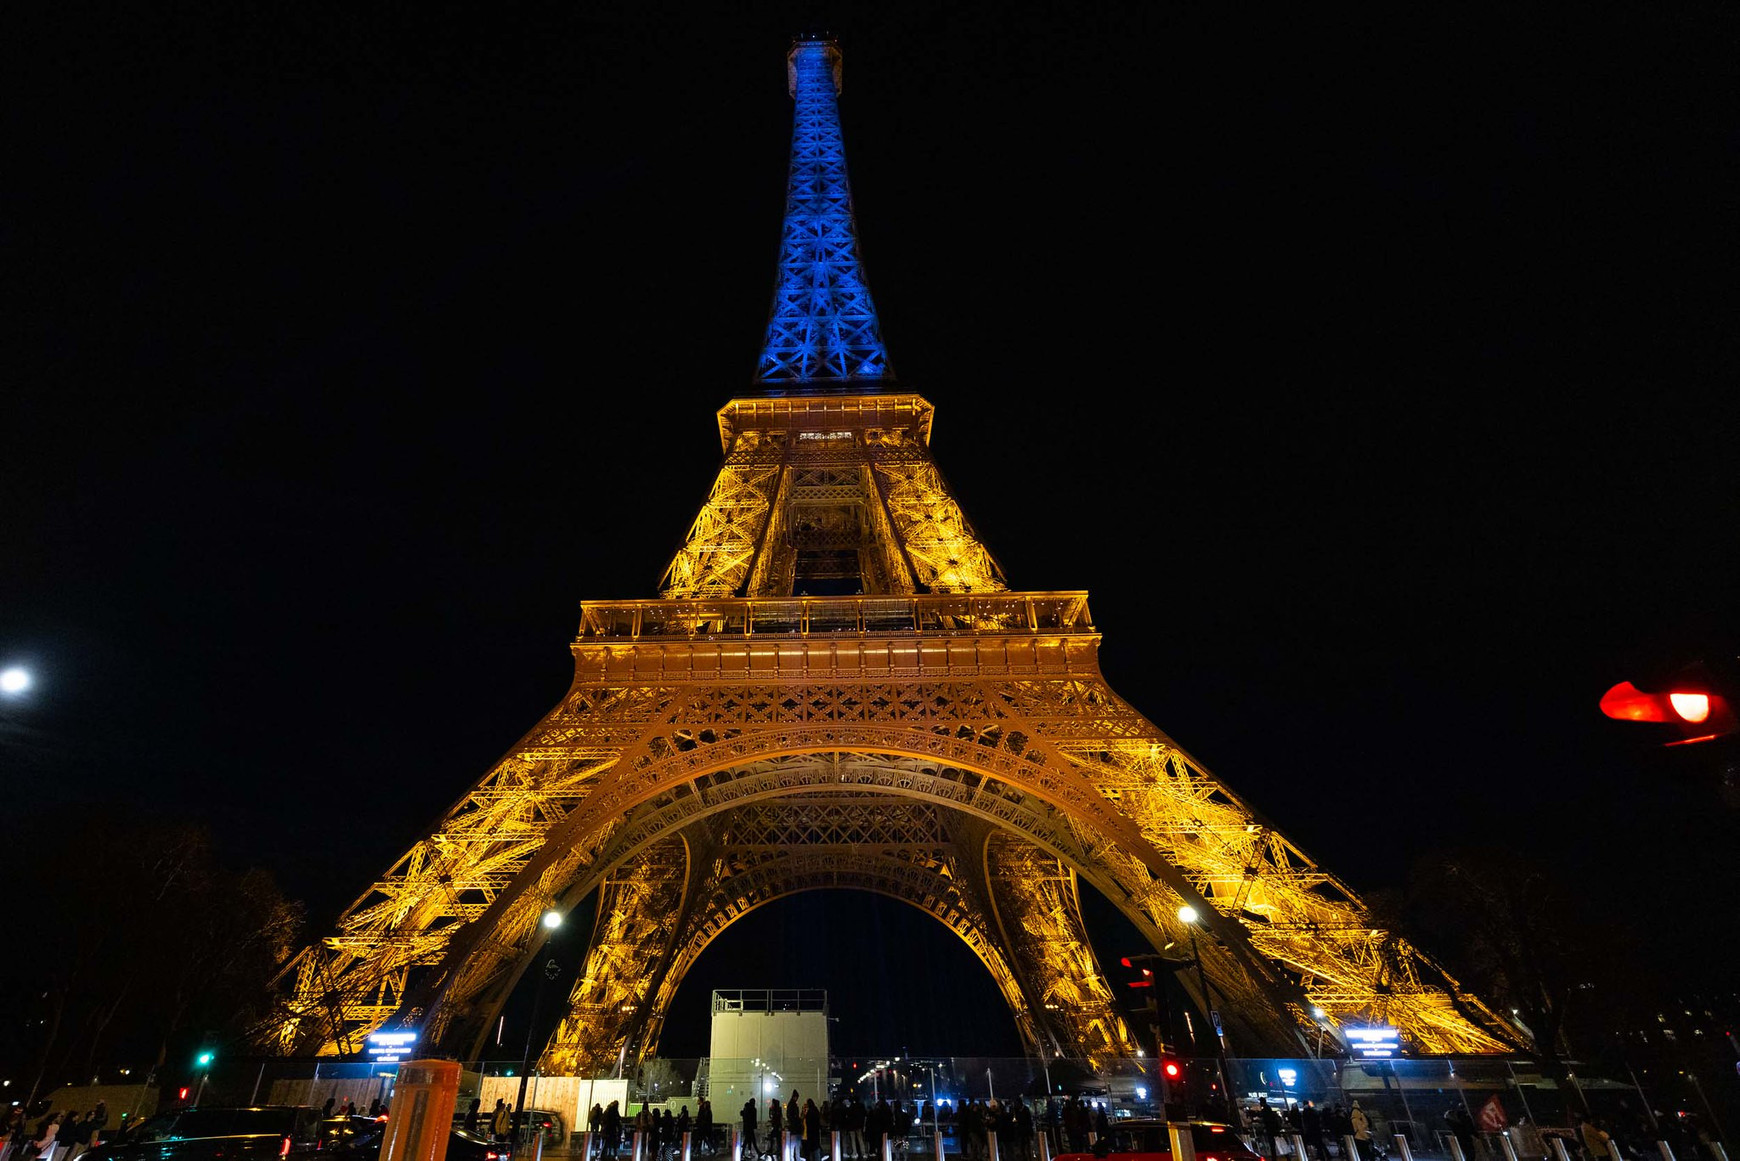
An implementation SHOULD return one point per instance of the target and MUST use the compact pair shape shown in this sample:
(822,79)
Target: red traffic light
(1682,705)
(182,1094)
(1171,1069)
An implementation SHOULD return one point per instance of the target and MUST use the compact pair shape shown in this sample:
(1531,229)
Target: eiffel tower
(836,688)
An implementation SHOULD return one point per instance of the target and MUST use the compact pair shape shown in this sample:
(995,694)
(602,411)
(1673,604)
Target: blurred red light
(1627,703)
(1693,707)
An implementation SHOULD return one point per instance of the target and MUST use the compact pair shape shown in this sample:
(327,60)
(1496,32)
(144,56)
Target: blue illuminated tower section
(822,328)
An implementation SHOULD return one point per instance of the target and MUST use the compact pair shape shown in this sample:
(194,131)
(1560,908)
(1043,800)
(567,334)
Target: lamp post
(1188,916)
(551,921)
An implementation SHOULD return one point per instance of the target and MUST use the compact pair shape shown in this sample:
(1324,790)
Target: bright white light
(1141,1093)
(552,919)
(768,1087)
(1187,914)
(1319,1013)
(14,681)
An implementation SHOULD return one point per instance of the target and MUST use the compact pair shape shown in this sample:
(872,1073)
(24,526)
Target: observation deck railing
(880,616)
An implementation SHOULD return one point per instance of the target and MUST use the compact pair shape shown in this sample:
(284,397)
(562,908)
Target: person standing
(746,1132)
(1311,1128)
(1269,1125)
(473,1109)
(1360,1124)
(812,1123)
(501,1120)
(612,1128)
(704,1124)
(855,1127)
(775,1127)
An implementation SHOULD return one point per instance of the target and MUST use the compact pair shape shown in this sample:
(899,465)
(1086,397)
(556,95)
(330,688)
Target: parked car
(361,1137)
(208,1134)
(1148,1140)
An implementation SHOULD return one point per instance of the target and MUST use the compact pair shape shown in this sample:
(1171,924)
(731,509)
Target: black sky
(1373,371)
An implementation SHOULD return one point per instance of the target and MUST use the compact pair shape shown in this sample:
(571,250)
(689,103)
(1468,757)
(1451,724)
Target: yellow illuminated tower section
(837,688)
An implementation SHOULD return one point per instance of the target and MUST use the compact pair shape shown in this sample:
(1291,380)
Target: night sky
(1373,371)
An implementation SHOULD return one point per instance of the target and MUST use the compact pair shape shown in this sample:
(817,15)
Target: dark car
(207,1134)
(361,1137)
(1142,1140)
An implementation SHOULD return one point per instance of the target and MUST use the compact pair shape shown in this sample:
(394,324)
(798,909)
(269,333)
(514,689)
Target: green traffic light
(204,1059)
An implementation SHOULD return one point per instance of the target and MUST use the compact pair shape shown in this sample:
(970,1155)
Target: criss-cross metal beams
(823,324)
(857,476)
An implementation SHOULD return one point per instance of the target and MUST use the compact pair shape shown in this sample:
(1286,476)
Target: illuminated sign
(1379,1043)
(390,1046)
(1289,1076)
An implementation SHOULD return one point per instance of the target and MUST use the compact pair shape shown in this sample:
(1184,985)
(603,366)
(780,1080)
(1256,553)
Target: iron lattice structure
(823,325)
(837,688)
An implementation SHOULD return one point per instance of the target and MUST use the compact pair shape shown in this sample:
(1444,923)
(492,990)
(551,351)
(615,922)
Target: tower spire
(823,326)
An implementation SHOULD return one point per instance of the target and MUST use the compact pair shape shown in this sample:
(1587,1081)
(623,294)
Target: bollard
(939,1147)
(887,1148)
(1455,1148)
(1613,1150)
(990,1147)
(634,1148)
(538,1145)
(1298,1140)
(1717,1150)
(1405,1153)
(1667,1151)
(585,1145)
(1183,1144)
(1509,1149)
(1351,1147)
(686,1138)
(1559,1153)
(1044,1145)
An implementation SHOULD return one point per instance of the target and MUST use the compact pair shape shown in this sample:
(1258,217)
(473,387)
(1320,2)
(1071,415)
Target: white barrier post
(1402,1150)
(939,1146)
(686,1138)
(634,1150)
(1455,1148)
(1183,1144)
(1667,1152)
(1298,1140)
(1044,1144)
(991,1146)
(1350,1146)
(887,1148)
(1559,1152)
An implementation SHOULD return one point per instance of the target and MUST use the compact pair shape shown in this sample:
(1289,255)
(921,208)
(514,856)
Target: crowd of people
(56,1137)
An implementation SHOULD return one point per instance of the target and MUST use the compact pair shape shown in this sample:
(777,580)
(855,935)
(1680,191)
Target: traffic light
(1171,1069)
(1694,700)
(1147,979)
(205,1058)
(181,1093)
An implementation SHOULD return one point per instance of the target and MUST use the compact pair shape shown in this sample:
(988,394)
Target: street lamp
(552,919)
(14,680)
(1188,916)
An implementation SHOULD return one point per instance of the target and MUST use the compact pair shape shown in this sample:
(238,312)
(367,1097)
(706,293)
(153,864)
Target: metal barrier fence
(1469,1109)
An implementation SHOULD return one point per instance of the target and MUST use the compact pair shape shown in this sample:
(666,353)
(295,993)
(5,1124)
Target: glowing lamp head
(14,681)
(1693,707)
(1187,914)
(1173,1072)
(552,919)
